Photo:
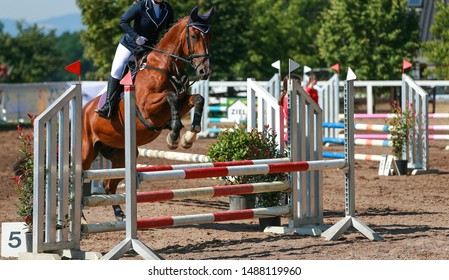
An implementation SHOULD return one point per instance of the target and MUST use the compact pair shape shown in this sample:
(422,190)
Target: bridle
(191,56)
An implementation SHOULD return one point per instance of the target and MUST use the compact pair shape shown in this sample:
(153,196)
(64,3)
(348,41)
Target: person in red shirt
(3,71)
(283,100)
(309,88)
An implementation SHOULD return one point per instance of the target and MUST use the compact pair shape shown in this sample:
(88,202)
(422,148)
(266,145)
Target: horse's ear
(209,14)
(194,14)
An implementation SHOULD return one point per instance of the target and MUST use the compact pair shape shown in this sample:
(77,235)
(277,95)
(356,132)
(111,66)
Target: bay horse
(162,98)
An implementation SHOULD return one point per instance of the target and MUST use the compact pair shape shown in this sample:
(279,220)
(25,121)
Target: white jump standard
(338,229)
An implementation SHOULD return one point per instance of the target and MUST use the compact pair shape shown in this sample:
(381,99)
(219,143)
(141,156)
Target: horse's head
(198,38)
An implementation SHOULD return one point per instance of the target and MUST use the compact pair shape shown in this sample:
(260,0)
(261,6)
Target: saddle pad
(103,93)
(103,96)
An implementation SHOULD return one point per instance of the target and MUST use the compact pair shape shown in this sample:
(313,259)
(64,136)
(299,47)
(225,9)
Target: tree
(248,37)
(103,32)
(372,37)
(69,44)
(4,42)
(33,54)
(288,29)
(229,44)
(437,50)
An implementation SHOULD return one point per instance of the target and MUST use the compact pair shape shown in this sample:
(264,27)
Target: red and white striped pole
(204,192)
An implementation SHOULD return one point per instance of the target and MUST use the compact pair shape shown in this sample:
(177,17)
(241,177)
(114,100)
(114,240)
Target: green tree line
(38,55)
(372,37)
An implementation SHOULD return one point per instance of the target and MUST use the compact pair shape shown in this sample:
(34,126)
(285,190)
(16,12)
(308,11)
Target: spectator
(283,101)
(309,88)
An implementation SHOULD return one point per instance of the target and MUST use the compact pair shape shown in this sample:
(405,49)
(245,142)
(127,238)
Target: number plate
(13,239)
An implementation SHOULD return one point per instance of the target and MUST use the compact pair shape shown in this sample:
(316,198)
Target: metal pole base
(334,232)
(123,247)
(59,254)
(311,230)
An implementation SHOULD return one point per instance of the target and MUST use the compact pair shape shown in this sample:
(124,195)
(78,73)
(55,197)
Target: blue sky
(35,10)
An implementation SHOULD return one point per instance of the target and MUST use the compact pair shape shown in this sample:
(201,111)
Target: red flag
(336,67)
(406,65)
(127,80)
(74,68)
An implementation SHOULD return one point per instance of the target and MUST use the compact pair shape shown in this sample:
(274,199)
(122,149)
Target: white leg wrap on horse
(187,139)
(172,145)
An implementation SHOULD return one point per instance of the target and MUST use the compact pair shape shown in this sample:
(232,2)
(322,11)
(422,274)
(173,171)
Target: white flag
(276,64)
(307,69)
(350,76)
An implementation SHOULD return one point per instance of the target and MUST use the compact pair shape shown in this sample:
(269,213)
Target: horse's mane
(175,24)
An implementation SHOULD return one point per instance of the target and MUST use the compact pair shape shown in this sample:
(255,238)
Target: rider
(150,18)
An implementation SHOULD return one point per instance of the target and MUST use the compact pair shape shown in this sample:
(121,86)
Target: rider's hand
(141,40)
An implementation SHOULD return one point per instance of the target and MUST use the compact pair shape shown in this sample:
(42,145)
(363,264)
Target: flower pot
(402,166)
(269,221)
(87,189)
(241,202)
(29,241)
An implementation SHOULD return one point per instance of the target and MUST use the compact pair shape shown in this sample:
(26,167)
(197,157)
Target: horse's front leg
(190,136)
(175,124)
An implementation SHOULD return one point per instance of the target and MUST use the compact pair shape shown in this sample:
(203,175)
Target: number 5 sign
(13,239)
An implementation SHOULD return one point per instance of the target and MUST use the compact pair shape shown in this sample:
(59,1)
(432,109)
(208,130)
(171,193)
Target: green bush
(23,170)
(238,144)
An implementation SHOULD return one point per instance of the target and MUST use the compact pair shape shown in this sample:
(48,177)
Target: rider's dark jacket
(145,23)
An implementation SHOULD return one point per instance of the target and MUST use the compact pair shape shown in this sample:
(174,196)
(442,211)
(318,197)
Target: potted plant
(400,127)
(239,144)
(23,170)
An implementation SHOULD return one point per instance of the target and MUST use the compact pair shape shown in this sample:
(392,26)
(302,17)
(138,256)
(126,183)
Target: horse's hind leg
(175,124)
(190,136)
(117,158)
(111,188)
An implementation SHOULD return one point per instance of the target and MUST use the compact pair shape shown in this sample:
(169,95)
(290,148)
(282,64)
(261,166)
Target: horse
(162,98)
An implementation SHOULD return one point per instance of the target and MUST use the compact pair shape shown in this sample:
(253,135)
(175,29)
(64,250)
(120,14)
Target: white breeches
(122,56)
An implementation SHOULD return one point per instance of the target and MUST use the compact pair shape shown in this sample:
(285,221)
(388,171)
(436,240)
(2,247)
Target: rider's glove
(141,40)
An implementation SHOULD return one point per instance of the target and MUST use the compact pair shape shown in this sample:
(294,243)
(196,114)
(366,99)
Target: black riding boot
(111,99)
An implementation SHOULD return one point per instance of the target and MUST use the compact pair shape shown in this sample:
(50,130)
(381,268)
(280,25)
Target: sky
(35,10)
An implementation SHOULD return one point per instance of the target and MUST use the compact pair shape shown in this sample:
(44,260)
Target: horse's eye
(194,37)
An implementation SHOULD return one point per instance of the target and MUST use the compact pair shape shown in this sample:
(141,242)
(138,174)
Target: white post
(131,241)
(339,228)
(369,99)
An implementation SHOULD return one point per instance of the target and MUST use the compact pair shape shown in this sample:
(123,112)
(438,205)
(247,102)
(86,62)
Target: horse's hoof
(171,144)
(120,217)
(187,139)
(186,145)
(172,147)
(119,214)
